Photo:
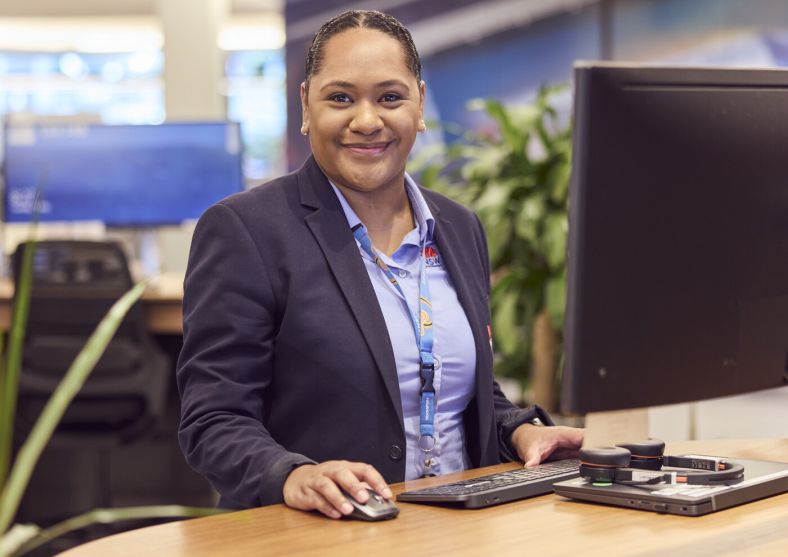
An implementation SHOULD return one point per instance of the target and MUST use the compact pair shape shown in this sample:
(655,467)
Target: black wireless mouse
(376,507)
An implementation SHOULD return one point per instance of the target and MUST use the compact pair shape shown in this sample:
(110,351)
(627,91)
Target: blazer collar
(329,226)
(461,265)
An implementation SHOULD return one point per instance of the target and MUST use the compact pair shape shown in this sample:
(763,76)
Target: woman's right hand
(316,486)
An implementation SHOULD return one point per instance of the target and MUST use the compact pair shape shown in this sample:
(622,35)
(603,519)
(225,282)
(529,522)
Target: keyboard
(497,488)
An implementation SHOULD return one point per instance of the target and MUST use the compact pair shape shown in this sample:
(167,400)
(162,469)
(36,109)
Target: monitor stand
(603,429)
(148,254)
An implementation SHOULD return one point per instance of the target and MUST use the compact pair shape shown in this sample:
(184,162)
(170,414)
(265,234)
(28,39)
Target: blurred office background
(147,61)
(154,61)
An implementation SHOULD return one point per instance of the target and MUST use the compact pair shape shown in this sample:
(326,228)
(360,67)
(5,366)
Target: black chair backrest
(74,283)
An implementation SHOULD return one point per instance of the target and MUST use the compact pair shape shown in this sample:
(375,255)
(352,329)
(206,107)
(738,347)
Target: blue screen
(133,175)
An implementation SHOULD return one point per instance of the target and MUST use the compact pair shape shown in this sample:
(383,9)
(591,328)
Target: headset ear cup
(646,455)
(601,463)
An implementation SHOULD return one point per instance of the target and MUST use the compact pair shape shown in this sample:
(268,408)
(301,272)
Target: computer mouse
(376,507)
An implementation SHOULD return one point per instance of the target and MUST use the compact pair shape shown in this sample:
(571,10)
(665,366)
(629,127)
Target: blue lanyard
(422,327)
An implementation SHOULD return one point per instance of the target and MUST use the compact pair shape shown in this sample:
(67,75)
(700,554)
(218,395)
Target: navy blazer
(286,358)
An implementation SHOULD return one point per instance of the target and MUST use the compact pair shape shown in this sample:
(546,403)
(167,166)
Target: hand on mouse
(316,486)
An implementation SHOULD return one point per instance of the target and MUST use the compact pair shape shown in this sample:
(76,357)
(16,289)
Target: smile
(367,149)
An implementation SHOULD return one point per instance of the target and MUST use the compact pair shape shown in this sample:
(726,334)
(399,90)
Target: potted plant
(15,540)
(517,180)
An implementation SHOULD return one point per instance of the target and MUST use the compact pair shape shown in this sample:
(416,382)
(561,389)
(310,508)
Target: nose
(366,119)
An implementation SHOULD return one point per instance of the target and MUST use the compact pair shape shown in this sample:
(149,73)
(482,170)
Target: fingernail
(362,495)
(347,508)
(387,493)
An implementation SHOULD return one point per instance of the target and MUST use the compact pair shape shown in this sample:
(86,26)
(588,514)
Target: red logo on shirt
(432,257)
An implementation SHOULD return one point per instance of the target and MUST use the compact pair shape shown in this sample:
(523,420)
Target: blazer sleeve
(508,416)
(225,366)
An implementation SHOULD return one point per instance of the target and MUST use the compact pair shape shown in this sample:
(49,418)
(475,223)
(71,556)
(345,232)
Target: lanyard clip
(427,375)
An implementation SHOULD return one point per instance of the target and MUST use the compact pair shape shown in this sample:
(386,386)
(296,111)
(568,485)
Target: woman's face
(363,110)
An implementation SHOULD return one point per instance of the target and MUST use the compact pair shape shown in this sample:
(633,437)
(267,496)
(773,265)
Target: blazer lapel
(452,250)
(331,231)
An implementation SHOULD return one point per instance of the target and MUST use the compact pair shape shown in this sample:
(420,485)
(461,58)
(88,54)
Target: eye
(339,98)
(391,98)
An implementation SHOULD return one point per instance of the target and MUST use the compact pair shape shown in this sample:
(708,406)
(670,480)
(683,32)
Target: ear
(304,109)
(422,95)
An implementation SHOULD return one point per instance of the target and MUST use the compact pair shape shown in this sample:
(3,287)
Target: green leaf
(427,156)
(494,198)
(525,117)
(505,323)
(11,370)
(498,232)
(11,542)
(506,279)
(529,218)
(56,405)
(555,300)
(485,166)
(558,179)
(554,238)
(511,135)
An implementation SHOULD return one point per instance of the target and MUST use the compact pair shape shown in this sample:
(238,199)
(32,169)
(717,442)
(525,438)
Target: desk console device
(761,479)
(497,488)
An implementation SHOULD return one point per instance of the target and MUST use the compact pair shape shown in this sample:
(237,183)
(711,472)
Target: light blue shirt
(453,348)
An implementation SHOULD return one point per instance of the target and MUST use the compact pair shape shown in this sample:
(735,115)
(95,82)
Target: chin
(368,179)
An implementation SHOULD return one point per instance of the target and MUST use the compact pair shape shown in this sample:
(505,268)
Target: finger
(314,500)
(533,455)
(328,490)
(351,484)
(368,473)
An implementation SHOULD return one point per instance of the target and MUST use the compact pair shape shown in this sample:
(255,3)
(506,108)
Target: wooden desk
(544,526)
(161,303)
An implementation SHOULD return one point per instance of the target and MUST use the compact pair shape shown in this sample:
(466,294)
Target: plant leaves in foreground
(56,405)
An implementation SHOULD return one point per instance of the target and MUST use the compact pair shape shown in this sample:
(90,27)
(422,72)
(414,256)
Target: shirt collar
(425,222)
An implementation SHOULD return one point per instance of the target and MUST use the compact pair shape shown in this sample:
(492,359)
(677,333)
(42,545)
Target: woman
(336,320)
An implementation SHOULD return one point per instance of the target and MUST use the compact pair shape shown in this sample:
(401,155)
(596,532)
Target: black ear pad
(601,463)
(646,455)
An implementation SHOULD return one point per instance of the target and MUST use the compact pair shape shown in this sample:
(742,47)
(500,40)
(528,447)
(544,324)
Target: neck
(387,215)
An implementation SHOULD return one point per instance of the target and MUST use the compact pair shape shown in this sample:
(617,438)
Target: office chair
(74,284)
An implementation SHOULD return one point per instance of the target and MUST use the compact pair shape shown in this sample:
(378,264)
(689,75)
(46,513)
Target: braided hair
(361,19)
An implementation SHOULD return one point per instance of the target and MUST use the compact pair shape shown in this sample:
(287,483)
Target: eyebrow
(348,85)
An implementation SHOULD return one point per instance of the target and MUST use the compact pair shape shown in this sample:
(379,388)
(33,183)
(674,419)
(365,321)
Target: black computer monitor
(123,175)
(678,236)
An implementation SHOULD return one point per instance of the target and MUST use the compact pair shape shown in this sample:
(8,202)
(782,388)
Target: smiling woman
(362,109)
(336,320)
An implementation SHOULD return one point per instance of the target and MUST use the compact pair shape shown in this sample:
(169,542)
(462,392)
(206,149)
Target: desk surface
(161,303)
(542,526)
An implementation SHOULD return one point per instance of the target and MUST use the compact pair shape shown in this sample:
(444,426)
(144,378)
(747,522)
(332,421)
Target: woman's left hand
(534,444)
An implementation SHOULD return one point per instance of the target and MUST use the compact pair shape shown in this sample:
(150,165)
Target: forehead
(363,53)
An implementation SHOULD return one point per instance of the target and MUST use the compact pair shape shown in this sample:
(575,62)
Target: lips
(367,149)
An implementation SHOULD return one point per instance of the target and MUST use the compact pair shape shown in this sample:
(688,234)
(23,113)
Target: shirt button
(395,452)
(403,274)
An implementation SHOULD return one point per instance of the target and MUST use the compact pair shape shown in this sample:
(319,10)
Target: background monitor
(123,175)
(678,236)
